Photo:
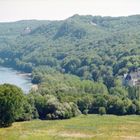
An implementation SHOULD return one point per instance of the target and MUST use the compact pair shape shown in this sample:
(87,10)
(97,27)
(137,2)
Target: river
(8,75)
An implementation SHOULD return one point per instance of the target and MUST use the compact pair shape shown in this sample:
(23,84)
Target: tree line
(65,99)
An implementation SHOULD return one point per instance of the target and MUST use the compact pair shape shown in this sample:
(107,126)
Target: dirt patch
(34,87)
(130,137)
(75,135)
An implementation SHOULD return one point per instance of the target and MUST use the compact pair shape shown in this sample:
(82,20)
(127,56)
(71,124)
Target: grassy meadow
(90,127)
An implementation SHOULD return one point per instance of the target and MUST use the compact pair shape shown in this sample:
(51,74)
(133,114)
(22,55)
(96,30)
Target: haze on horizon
(13,10)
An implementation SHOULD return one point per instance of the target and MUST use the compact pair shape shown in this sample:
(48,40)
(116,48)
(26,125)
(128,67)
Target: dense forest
(78,64)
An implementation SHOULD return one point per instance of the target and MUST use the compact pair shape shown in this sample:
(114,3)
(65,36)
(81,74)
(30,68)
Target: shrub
(11,101)
(102,110)
(85,112)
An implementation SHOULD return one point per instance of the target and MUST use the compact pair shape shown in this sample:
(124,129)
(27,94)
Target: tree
(49,107)
(10,104)
(85,112)
(119,91)
(102,110)
(132,109)
(28,110)
(84,104)
(109,81)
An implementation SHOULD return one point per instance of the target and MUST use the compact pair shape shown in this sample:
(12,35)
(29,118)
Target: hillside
(77,64)
(87,46)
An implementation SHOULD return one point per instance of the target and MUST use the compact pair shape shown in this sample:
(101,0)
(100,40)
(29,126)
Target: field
(90,127)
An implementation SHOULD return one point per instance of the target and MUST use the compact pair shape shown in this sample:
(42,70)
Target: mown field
(90,127)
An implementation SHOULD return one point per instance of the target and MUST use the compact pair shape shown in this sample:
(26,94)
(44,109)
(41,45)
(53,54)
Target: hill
(78,64)
(87,46)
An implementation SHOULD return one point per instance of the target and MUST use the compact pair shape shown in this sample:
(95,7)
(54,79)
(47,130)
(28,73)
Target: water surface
(8,75)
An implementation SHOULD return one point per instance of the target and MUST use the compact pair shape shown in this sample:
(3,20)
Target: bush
(49,107)
(11,101)
(102,110)
(85,112)
(132,109)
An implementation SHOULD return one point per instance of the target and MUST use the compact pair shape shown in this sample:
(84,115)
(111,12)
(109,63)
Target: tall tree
(11,100)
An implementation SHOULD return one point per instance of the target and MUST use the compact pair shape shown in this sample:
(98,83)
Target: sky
(13,10)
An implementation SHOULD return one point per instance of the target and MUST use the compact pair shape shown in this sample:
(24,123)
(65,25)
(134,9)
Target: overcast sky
(12,10)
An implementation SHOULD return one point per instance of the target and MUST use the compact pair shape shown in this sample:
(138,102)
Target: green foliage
(102,110)
(77,63)
(49,107)
(119,91)
(134,92)
(132,109)
(29,110)
(11,101)
(95,48)
(85,112)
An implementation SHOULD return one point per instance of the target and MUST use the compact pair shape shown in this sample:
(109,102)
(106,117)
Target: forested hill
(78,64)
(91,47)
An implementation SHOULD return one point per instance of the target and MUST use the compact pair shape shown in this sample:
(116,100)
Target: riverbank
(24,74)
(18,78)
(34,87)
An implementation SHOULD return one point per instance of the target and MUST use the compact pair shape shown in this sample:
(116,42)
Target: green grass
(90,127)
